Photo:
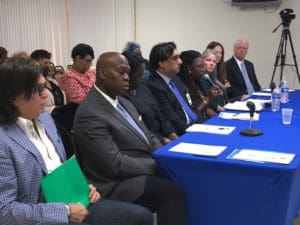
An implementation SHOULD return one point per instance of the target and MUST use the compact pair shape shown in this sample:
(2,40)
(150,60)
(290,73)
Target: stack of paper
(238,116)
(242,105)
(262,156)
(214,129)
(198,149)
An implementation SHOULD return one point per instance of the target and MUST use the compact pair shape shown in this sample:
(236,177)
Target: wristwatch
(68,211)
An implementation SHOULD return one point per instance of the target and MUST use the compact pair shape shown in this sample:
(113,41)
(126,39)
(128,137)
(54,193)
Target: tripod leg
(278,55)
(294,55)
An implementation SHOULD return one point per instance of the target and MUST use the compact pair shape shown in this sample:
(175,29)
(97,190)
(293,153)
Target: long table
(223,191)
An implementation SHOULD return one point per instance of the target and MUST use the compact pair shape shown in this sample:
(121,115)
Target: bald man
(242,83)
(115,147)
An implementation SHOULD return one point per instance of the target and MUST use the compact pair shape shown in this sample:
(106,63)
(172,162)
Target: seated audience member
(20,54)
(169,91)
(219,74)
(136,48)
(56,96)
(145,102)
(207,81)
(3,54)
(115,147)
(78,80)
(30,148)
(191,69)
(240,72)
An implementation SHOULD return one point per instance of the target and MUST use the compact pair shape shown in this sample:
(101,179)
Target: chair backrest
(67,139)
(65,115)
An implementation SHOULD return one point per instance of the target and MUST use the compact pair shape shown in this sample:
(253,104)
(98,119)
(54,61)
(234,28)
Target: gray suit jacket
(113,155)
(21,168)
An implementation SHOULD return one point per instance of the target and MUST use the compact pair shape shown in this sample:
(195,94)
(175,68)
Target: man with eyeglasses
(241,72)
(171,94)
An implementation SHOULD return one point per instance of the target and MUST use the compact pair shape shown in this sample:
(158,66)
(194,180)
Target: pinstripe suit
(21,168)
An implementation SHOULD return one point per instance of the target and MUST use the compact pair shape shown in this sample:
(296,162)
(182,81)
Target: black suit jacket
(113,155)
(235,77)
(168,103)
(147,105)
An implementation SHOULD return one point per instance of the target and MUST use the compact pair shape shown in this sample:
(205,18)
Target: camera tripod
(281,52)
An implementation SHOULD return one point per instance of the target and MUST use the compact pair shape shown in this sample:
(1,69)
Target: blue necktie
(246,79)
(129,119)
(192,116)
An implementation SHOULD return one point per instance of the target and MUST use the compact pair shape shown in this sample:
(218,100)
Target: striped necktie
(246,79)
(130,120)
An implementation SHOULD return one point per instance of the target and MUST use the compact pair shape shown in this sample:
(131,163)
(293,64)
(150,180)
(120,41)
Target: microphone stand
(251,131)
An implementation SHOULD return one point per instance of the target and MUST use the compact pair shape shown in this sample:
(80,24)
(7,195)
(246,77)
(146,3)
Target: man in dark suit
(240,72)
(175,102)
(115,146)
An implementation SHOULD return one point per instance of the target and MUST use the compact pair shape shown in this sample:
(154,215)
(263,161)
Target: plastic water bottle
(284,90)
(276,96)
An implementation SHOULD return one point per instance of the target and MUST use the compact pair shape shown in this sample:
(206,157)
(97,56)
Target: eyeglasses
(40,88)
(89,61)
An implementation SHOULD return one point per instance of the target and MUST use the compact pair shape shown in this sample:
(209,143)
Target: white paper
(238,116)
(214,129)
(268,89)
(242,105)
(198,149)
(262,156)
(261,94)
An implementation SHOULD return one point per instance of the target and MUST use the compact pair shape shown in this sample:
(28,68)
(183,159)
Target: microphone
(206,76)
(251,131)
(272,86)
(251,107)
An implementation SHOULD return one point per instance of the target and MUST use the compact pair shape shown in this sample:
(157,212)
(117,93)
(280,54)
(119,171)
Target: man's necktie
(192,116)
(129,119)
(246,79)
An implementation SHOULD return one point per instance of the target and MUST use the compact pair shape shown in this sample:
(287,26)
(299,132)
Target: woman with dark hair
(145,102)
(191,70)
(30,148)
(77,81)
(220,71)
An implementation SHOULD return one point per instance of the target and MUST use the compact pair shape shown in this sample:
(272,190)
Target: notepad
(66,184)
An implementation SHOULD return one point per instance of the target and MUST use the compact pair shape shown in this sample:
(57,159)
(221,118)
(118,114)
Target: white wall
(192,24)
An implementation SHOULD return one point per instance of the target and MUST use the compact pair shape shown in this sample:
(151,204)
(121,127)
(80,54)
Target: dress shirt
(40,139)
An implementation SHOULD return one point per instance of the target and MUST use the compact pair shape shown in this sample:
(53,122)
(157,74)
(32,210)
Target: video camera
(287,16)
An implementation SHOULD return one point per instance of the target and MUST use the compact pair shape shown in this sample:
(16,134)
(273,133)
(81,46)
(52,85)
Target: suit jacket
(168,103)
(205,86)
(22,167)
(235,77)
(147,105)
(113,155)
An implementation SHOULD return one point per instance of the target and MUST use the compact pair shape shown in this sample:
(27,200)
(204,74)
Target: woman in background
(191,69)
(77,81)
(209,57)
(220,75)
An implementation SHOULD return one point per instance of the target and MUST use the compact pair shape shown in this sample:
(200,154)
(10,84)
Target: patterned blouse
(76,85)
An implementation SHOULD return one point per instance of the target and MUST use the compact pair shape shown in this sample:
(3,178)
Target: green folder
(66,184)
